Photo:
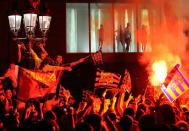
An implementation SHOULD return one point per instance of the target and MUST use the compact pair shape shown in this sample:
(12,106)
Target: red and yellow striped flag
(107,79)
(175,84)
(30,84)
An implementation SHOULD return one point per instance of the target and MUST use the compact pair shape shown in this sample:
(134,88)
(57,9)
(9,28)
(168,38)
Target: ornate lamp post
(29,21)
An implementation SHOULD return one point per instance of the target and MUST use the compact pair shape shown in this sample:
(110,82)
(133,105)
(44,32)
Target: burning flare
(159,72)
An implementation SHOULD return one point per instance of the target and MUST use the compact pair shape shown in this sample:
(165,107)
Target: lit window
(77,28)
(101,16)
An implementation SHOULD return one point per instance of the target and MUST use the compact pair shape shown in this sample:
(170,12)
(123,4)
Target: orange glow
(159,72)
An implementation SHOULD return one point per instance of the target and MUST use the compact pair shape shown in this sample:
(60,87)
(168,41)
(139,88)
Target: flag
(33,84)
(97,57)
(47,78)
(12,74)
(126,81)
(175,84)
(107,79)
(170,75)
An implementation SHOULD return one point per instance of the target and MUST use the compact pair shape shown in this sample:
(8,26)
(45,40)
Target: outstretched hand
(81,60)
(130,97)
(104,93)
(41,45)
(77,62)
(21,46)
(68,68)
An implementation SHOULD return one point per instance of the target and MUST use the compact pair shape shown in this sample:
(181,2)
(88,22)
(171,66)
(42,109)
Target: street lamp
(29,21)
(14,23)
(44,24)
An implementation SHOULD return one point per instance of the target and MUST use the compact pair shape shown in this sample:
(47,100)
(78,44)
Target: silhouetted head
(126,123)
(59,59)
(129,111)
(94,120)
(83,126)
(49,115)
(142,106)
(147,122)
(166,114)
(183,125)
(139,114)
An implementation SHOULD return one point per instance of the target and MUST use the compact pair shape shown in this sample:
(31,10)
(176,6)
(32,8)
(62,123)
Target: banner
(175,84)
(47,78)
(107,79)
(33,84)
(170,75)
(126,81)
(97,58)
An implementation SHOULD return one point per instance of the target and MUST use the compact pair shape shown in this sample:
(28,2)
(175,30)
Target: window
(84,21)
(144,31)
(124,13)
(77,27)
(101,16)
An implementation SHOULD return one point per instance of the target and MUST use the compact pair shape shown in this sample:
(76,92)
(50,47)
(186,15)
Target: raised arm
(56,68)
(35,56)
(113,102)
(43,49)
(77,62)
(20,46)
(120,101)
(126,103)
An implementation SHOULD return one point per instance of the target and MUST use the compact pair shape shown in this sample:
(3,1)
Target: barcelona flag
(175,84)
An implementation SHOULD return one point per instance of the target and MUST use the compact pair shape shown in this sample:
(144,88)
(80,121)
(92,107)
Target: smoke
(167,35)
(168,28)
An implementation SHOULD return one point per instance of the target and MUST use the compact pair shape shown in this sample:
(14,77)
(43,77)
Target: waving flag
(107,79)
(126,81)
(47,78)
(33,84)
(97,58)
(175,84)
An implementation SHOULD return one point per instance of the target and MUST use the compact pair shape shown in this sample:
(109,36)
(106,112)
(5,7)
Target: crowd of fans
(58,112)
